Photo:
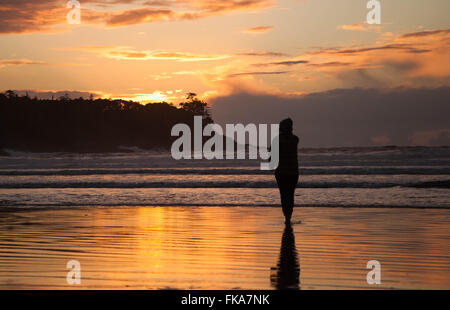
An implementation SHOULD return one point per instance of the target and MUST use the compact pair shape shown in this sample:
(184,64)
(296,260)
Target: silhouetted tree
(196,107)
(80,125)
(10,94)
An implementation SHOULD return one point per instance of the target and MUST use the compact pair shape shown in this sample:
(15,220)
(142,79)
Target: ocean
(390,176)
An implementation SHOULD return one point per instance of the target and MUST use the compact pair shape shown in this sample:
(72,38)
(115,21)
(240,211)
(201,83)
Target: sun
(156,96)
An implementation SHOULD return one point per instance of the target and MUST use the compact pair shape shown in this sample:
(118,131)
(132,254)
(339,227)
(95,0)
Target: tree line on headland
(91,125)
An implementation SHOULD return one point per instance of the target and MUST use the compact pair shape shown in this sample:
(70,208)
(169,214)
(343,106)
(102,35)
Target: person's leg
(292,184)
(287,209)
(283,185)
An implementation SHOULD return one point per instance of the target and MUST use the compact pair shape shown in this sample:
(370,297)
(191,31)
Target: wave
(306,150)
(225,184)
(432,184)
(414,170)
(16,205)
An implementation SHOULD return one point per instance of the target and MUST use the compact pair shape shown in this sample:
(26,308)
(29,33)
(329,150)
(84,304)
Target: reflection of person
(287,273)
(287,170)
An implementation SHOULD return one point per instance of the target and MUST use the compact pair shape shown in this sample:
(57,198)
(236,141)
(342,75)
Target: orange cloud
(137,16)
(257,73)
(23,16)
(421,54)
(258,30)
(124,52)
(305,78)
(19,62)
(330,64)
(262,54)
(282,63)
(359,27)
(412,59)
(426,33)
(28,17)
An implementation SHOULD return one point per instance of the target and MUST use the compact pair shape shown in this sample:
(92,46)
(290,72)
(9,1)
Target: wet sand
(223,248)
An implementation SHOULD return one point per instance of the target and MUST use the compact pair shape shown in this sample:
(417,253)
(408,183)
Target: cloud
(416,58)
(138,16)
(162,76)
(258,29)
(389,47)
(360,27)
(19,62)
(262,54)
(347,117)
(127,53)
(426,33)
(23,16)
(305,78)
(257,73)
(329,64)
(28,62)
(390,62)
(282,63)
(411,58)
(222,6)
(185,56)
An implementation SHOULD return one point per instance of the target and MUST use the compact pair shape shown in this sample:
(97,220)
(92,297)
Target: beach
(211,247)
(142,220)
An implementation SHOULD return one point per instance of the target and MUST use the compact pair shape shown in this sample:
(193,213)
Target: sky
(343,82)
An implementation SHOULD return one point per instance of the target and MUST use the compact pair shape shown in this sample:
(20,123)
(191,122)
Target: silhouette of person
(286,173)
(287,273)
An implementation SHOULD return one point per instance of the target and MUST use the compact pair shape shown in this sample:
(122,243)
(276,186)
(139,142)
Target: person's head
(286,126)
